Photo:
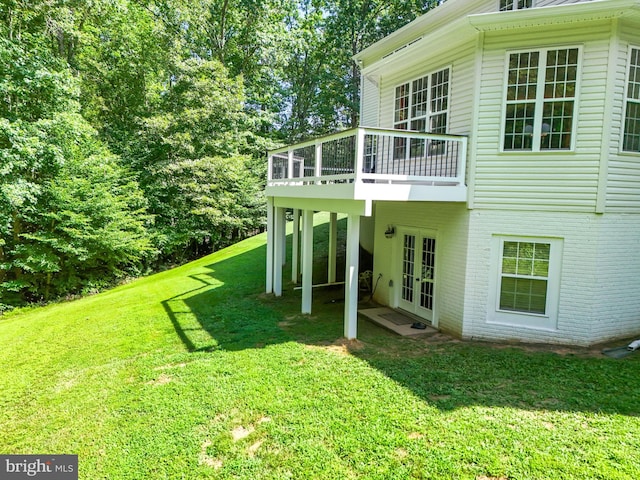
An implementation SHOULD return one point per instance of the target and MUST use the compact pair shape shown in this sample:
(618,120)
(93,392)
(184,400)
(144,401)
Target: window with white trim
(524,276)
(506,5)
(631,135)
(540,99)
(421,105)
(527,281)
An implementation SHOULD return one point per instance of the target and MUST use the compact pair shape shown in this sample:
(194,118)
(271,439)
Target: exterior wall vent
(402,47)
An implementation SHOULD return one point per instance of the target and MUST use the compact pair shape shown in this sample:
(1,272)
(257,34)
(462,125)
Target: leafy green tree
(71,213)
(190,153)
(324,80)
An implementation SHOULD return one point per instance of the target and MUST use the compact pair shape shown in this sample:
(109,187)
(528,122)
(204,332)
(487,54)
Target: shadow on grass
(225,310)
(453,375)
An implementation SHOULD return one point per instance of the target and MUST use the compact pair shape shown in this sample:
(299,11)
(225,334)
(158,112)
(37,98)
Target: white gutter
(555,15)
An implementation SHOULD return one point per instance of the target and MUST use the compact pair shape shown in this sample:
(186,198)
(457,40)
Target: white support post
(318,166)
(270,228)
(270,168)
(283,236)
(333,246)
(290,164)
(278,256)
(351,277)
(307,259)
(462,161)
(360,140)
(295,247)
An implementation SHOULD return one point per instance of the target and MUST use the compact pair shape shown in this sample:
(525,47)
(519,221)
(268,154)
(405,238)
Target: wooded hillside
(133,132)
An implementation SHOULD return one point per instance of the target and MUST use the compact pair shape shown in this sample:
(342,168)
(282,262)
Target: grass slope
(193,373)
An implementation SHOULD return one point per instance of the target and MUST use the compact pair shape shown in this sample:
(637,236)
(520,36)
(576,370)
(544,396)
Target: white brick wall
(600,277)
(449,220)
(600,274)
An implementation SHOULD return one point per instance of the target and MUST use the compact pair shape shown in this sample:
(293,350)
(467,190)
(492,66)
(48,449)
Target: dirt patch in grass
(341,346)
(206,459)
(161,380)
(424,344)
(241,432)
(594,351)
(254,448)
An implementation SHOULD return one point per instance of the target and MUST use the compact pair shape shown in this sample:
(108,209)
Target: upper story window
(631,138)
(540,99)
(515,4)
(421,105)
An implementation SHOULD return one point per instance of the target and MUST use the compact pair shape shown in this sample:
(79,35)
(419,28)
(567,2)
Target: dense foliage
(133,132)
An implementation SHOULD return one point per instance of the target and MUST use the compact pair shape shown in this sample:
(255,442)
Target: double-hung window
(526,285)
(421,105)
(524,276)
(506,5)
(631,135)
(540,99)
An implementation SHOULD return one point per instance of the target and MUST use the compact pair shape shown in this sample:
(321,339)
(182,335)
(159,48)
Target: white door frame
(414,306)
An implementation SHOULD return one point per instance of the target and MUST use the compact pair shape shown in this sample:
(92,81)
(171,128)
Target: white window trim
(547,321)
(624,104)
(429,111)
(515,6)
(539,103)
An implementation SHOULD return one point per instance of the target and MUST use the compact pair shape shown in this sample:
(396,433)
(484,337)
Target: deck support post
(333,247)
(295,247)
(283,235)
(351,277)
(278,250)
(307,260)
(270,228)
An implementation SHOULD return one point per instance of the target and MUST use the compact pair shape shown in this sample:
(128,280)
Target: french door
(418,273)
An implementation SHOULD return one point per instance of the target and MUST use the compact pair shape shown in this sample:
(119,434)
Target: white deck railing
(371,155)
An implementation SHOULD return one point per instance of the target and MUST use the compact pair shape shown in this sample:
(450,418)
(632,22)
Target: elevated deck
(371,164)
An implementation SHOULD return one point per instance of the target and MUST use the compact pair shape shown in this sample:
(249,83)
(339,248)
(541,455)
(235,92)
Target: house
(496,175)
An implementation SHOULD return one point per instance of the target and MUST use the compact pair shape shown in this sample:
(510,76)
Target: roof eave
(429,25)
(406,34)
(554,15)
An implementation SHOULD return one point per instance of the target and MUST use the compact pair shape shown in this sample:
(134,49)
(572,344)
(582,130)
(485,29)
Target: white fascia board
(554,15)
(434,25)
(432,20)
(454,34)
(318,204)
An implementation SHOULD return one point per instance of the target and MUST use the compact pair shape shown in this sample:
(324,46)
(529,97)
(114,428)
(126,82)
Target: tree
(324,80)
(55,171)
(189,153)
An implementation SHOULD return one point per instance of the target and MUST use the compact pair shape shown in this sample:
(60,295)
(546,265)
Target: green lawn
(194,373)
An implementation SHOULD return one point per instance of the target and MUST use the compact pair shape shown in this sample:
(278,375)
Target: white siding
(623,186)
(370,105)
(600,290)
(451,223)
(566,181)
